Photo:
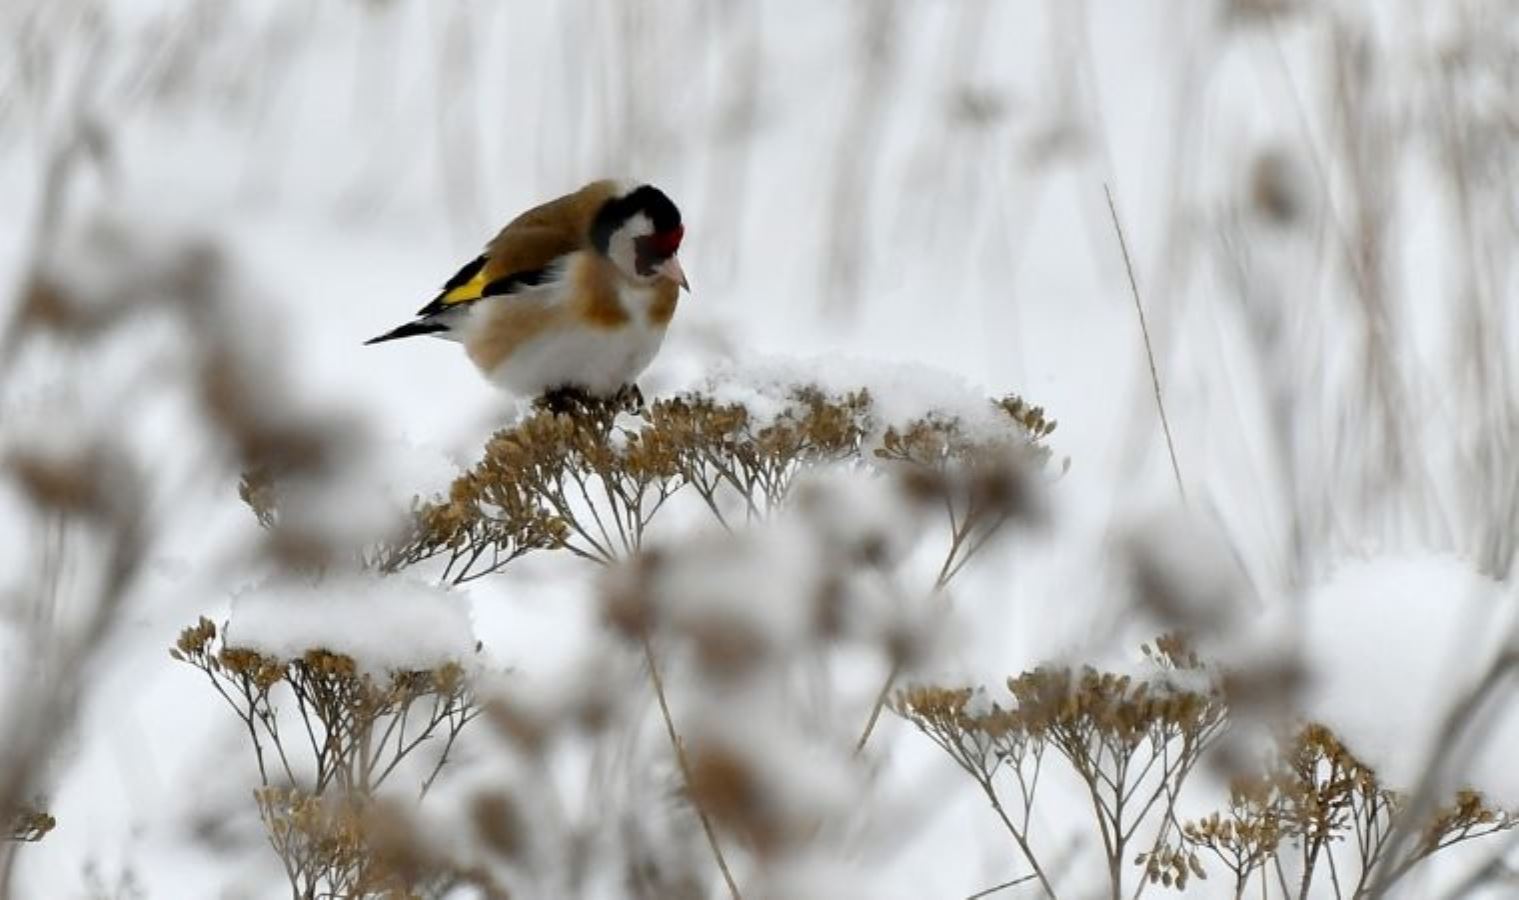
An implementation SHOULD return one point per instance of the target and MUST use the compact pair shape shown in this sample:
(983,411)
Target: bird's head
(640,231)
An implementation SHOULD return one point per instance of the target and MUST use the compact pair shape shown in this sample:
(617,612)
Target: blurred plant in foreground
(590,479)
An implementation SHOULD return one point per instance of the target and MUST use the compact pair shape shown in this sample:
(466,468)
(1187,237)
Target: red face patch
(666,243)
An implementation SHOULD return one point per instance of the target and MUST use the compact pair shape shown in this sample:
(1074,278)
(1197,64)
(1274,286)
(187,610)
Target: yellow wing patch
(467,284)
(463,293)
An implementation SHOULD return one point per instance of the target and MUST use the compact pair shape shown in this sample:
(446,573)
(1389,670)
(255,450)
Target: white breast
(595,359)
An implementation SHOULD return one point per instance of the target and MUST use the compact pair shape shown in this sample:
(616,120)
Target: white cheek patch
(622,248)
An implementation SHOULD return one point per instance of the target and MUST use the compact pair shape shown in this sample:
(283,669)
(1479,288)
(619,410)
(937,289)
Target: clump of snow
(401,470)
(900,393)
(1391,644)
(372,492)
(624,427)
(980,703)
(384,624)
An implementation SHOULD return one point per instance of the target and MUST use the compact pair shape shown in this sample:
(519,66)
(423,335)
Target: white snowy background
(897,184)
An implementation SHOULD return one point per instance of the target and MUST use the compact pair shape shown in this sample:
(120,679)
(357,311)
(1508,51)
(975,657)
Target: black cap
(646,199)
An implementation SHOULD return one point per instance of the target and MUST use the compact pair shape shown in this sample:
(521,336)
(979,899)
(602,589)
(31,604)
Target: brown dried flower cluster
(489,519)
(354,731)
(353,845)
(363,721)
(1244,839)
(31,823)
(1133,743)
(1315,799)
(323,844)
(589,476)
(256,489)
(720,445)
(981,482)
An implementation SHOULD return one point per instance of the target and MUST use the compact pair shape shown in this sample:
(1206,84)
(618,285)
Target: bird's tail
(411,329)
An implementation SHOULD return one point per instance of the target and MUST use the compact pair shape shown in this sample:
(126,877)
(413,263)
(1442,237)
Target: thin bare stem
(1019,837)
(891,677)
(685,769)
(1144,329)
(1001,887)
(880,704)
(455,726)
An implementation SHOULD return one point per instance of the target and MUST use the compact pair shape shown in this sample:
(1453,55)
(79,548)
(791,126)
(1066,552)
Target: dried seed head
(1276,189)
(499,823)
(45,305)
(77,483)
(725,787)
(31,823)
(627,597)
(529,729)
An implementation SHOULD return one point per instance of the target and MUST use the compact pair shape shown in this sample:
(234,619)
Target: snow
(342,160)
(383,623)
(624,427)
(366,499)
(1393,643)
(901,393)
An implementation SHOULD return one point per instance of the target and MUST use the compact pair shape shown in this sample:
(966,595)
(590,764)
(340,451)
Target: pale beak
(671,269)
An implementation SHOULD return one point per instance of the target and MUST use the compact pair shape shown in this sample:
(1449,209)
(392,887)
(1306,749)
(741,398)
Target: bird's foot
(629,399)
(566,400)
(574,401)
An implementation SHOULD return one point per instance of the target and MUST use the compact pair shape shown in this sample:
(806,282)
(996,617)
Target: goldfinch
(574,295)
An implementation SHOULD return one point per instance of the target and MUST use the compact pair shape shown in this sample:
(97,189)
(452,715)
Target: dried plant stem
(896,666)
(685,768)
(1144,329)
(880,704)
(1001,887)
(1019,836)
(453,735)
(1458,724)
(947,572)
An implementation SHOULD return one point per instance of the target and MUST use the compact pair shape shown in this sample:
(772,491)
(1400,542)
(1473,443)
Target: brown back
(544,233)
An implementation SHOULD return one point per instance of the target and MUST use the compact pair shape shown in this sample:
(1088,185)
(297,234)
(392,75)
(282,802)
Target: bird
(573,295)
